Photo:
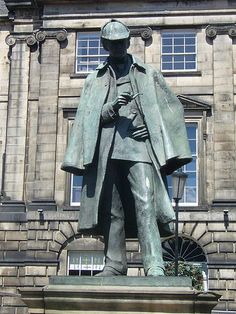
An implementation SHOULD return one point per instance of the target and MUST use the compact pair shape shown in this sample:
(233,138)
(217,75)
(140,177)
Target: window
(89,52)
(178,51)
(85,263)
(190,196)
(76,187)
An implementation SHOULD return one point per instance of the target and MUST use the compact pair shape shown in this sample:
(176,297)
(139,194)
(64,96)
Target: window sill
(79,75)
(180,73)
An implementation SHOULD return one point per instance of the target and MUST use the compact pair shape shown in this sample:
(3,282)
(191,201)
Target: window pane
(167,58)
(190,49)
(90,52)
(182,47)
(167,66)
(167,49)
(76,187)
(190,191)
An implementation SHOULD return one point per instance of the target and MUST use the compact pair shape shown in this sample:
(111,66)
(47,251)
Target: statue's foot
(155,271)
(109,272)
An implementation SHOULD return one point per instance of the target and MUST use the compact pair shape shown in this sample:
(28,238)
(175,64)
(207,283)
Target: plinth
(118,295)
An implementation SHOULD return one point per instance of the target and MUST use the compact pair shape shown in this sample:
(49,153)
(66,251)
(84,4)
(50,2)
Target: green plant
(187,270)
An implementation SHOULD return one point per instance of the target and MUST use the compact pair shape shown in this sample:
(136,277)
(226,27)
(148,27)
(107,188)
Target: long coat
(163,116)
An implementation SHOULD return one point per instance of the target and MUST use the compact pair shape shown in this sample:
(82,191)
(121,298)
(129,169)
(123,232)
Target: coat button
(133,111)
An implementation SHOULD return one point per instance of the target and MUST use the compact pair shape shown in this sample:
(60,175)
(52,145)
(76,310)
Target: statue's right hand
(122,100)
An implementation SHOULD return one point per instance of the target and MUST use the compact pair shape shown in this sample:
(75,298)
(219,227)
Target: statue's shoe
(109,272)
(155,271)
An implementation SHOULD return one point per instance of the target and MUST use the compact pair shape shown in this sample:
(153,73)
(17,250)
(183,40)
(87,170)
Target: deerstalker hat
(115,30)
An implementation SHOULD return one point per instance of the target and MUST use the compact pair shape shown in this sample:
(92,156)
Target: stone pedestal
(121,295)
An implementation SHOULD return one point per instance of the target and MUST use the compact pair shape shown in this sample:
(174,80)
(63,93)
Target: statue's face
(117,48)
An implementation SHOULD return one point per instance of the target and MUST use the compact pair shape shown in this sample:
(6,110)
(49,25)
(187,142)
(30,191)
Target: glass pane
(93,51)
(190,65)
(167,66)
(167,41)
(179,58)
(93,43)
(190,49)
(167,58)
(190,41)
(167,49)
(191,180)
(179,49)
(190,57)
(191,166)
(179,66)
(179,41)
(192,144)
(191,130)
(191,195)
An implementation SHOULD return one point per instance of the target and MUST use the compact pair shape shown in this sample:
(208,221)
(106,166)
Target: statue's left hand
(140,132)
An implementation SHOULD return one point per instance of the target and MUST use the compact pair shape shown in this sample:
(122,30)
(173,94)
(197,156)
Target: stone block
(60,238)
(217,284)
(206,239)
(9,245)
(8,271)
(36,225)
(54,246)
(2,235)
(7,310)
(41,281)
(226,273)
(224,237)
(44,235)
(54,225)
(226,247)
(31,234)
(15,256)
(12,301)
(231,257)
(15,235)
(46,256)
(211,248)
(213,274)
(66,229)
(217,257)
(35,270)
(9,226)
(37,245)
(51,271)
(216,226)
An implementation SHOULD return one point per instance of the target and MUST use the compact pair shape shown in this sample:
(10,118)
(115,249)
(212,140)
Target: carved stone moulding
(145,33)
(221,29)
(38,36)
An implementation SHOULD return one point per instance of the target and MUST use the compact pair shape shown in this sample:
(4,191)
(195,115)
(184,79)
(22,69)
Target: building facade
(48,47)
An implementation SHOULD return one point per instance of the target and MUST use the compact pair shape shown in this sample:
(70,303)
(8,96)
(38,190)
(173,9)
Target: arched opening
(191,257)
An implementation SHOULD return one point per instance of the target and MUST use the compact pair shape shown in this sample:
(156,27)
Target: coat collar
(135,62)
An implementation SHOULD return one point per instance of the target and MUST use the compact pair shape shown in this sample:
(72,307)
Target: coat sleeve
(73,160)
(173,127)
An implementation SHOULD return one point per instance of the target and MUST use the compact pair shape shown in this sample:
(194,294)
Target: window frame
(193,204)
(99,56)
(178,31)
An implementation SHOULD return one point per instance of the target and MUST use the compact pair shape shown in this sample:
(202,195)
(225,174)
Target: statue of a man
(128,134)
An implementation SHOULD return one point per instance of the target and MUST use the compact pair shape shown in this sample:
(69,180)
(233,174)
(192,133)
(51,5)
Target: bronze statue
(128,134)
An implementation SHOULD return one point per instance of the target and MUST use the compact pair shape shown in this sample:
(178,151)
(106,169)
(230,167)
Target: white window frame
(89,267)
(100,56)
(193,204)
(179,53)
(71,192)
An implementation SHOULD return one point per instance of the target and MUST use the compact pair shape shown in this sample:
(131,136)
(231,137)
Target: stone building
(47,49)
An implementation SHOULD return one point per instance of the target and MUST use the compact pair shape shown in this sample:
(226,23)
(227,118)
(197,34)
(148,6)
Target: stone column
(16,123)
(47,121)
(224,119)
